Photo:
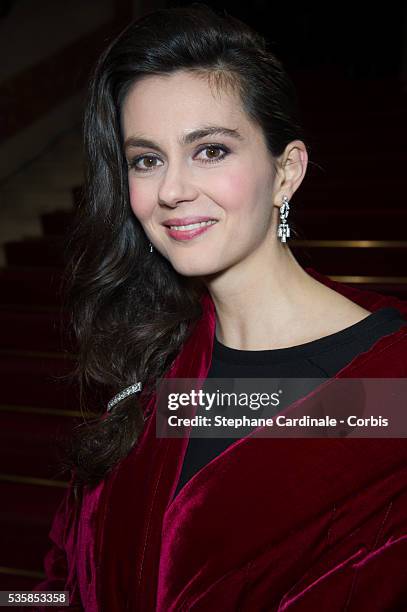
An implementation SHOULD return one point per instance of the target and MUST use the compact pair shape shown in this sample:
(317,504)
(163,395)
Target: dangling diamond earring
(151,247)
(284,229)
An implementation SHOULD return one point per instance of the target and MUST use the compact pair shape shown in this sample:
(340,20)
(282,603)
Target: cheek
(140,201)
(234,191)
(241,192)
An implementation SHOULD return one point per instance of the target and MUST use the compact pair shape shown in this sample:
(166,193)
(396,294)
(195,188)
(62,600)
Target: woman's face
(178,174)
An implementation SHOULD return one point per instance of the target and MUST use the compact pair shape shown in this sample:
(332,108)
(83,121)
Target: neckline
(380,343)
(228,354)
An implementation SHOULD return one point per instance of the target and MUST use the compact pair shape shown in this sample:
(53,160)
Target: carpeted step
(352,257)
(57,222)
(348,95)
(26,514)
(339,223)
(29,443)
(351,167)
(36,379)
(24,286)
(38,251)
(10,581)
(30,378)
(327,193)
(42,331)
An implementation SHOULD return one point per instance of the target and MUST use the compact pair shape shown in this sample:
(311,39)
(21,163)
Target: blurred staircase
(351,212)
(351,209)
(37,406)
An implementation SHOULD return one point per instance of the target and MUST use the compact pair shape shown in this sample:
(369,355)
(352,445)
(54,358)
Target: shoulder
(387,358)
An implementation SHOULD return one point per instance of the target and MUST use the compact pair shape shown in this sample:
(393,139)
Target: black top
(322,358)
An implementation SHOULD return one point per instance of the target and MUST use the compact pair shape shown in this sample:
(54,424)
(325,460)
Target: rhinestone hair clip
(125,393)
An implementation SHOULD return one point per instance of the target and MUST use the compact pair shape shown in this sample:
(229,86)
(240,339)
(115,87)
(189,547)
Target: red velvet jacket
(298,524)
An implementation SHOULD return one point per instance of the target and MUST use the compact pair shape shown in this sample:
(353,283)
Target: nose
(176,185)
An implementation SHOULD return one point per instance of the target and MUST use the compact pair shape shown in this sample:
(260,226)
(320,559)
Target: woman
(181,268)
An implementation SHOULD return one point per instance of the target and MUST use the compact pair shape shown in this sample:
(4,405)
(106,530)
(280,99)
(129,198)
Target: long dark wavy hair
(129,311)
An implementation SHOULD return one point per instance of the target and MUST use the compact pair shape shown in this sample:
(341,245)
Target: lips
(186,220)
(186,234)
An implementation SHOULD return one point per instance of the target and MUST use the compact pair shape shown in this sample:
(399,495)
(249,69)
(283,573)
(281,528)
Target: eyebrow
(202,132)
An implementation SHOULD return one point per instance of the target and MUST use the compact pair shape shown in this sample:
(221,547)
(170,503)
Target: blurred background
(349,63)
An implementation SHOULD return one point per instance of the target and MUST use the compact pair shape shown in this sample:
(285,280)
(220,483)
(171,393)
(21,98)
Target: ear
(291,169)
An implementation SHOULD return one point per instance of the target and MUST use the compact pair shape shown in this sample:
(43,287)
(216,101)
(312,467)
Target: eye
(212,148)
(133,163)
(149,160)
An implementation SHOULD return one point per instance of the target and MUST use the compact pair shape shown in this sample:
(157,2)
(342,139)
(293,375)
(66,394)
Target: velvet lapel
(137,493)
(140,517)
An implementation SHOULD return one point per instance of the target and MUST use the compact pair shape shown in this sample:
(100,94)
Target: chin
(191,268)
